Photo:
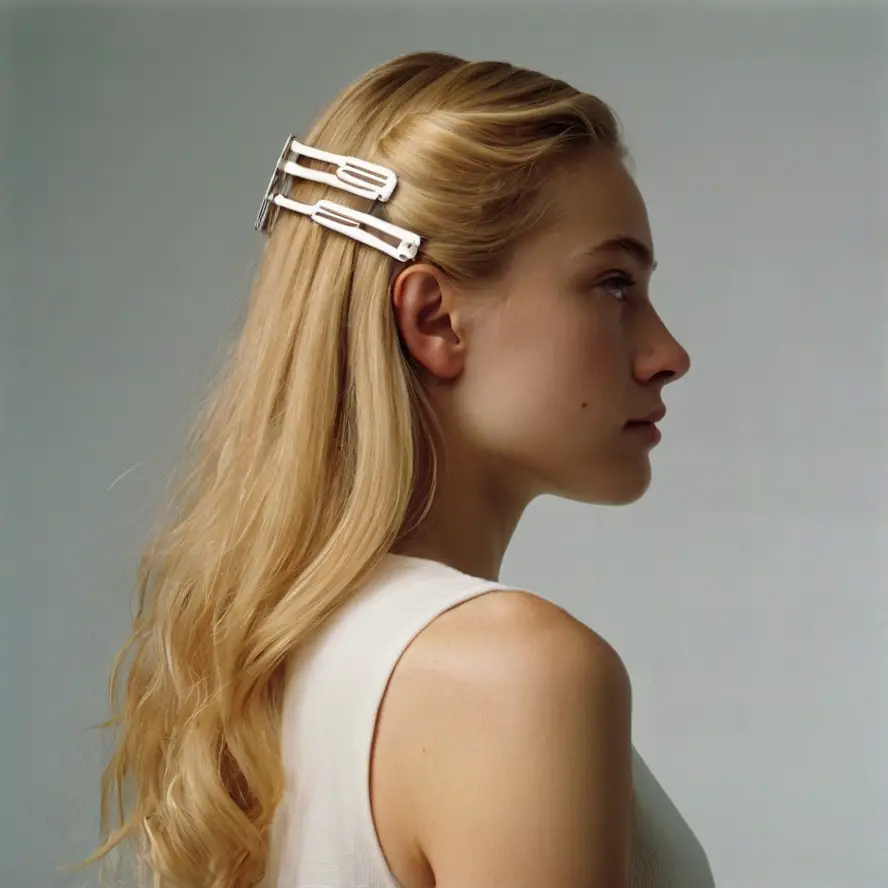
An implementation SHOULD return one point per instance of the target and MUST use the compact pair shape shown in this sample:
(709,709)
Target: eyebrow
(640,250)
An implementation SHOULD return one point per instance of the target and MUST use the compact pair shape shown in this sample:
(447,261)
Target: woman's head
(541,373)
(526,318)
(506,347)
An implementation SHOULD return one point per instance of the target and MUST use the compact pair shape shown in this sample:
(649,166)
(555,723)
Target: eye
(617,285)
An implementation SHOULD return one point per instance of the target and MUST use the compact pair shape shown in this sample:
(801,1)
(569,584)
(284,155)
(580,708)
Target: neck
(470,523)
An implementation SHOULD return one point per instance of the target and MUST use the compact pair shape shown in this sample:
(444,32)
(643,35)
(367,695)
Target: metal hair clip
(353,175)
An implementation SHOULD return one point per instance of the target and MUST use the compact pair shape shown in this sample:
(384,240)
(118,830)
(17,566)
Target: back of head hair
(308,462)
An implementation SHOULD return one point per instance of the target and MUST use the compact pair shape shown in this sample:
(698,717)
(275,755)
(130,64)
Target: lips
(654,416)
(647,425)
(648,431)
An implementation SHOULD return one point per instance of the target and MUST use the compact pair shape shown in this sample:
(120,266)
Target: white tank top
(323,835)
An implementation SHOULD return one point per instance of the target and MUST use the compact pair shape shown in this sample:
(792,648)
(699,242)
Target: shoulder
(508,704)
(511,642)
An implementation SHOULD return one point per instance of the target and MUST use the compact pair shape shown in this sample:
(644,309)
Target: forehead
(594,201)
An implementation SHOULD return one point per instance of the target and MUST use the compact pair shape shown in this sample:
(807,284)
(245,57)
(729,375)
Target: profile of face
(540,381)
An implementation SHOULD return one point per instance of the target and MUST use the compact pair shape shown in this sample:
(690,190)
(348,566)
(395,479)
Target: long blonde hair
(314,454)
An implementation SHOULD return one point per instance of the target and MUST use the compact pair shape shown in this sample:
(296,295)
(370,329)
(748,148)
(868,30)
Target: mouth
(653,417)
(646,428)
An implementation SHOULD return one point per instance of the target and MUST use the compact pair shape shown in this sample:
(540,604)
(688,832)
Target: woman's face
(568,352)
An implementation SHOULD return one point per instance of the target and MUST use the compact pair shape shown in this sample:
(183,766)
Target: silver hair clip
(353,175)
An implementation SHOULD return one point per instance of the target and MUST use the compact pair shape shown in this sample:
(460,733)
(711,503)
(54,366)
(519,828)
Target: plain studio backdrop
(747,591)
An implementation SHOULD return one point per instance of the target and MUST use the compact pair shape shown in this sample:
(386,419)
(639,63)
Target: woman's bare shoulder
(501,634)
(508,718)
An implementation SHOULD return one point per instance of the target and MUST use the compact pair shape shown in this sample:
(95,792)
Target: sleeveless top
(323,835)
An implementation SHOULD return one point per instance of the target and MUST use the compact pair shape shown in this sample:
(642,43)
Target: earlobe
(423,305)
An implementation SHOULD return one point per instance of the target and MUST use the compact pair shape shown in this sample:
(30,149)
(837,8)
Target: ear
(425,306)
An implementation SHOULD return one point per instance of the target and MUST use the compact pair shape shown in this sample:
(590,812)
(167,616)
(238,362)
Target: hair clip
(354,224)
(353,175)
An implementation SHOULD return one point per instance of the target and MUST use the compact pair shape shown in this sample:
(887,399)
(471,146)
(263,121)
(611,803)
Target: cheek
(580,370)
(556,387)
(607,369)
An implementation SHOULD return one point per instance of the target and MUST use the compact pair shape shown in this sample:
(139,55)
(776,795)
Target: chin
(627,496)
(621,486)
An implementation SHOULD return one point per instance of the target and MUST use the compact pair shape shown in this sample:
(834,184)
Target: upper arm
(523,777)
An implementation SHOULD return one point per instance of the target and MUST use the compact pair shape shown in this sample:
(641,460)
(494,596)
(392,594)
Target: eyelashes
(617,285)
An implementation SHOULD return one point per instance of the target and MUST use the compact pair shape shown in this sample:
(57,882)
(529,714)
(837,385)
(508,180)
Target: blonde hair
(315,454)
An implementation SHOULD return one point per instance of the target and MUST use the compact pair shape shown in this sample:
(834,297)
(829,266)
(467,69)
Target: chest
(666,853)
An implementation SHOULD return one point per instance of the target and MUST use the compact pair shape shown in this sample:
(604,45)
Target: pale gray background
(746,592)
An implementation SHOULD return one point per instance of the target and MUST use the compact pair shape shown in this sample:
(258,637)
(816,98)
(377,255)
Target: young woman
(326,684)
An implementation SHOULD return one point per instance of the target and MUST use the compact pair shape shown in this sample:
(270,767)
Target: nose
(661,357)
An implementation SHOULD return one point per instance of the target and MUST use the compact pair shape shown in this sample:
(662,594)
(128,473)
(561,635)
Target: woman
(327,686)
